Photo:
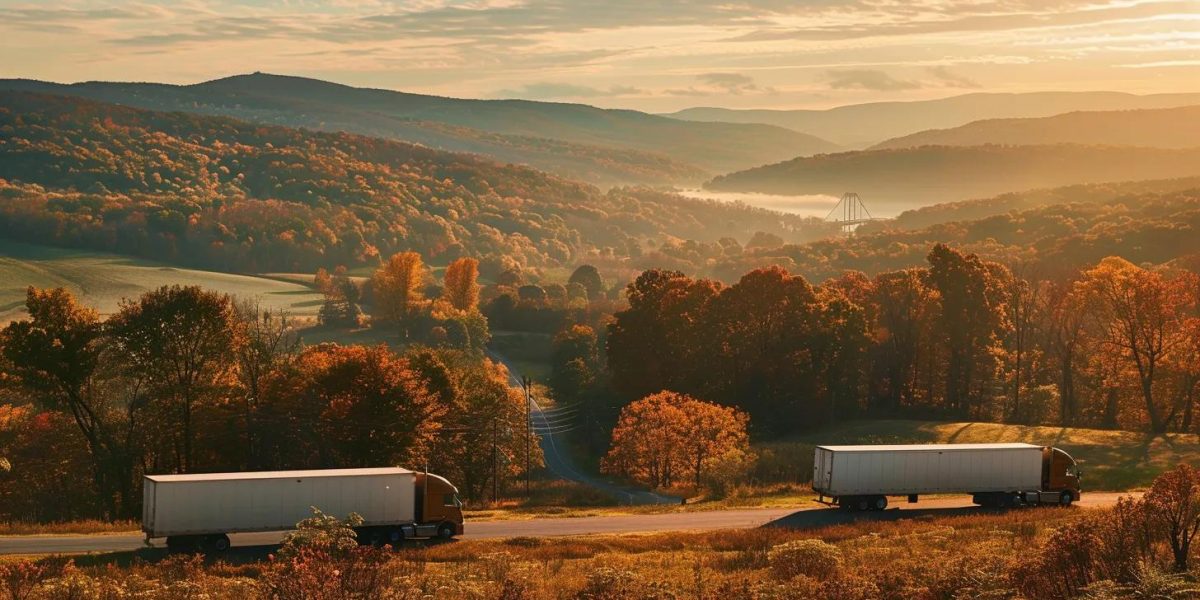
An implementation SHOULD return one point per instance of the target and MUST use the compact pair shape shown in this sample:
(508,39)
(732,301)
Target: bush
(607,583)
(811,558)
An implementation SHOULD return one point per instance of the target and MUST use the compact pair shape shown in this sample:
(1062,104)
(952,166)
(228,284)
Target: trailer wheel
(879,503)
(446,531)
(1066,499)
(862,504)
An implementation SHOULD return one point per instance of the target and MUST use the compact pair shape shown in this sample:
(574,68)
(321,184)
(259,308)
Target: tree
(349,406)
(1173,504)
(56,355)
(485,434)
(1138,317)
(398,287)
(182,341)
(970,321)
(461,285)
(589,277)
(668,436)
(270,343)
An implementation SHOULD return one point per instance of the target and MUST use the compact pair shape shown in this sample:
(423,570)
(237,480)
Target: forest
(229,195)
(1112,346)
(184,380)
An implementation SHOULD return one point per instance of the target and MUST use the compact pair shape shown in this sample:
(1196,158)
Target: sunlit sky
(644,54)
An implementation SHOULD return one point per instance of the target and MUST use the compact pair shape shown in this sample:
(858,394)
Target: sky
(652,55)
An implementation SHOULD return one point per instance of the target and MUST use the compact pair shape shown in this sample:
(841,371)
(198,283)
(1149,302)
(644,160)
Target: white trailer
(862,477)
(200,510)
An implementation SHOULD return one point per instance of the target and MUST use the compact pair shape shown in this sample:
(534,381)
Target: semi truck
(996,475)
(199,511)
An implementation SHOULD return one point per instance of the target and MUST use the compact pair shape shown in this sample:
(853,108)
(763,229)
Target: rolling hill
(861,125)
(1157,128)
(574,140)
(900,179)
(102,280)
(223,194)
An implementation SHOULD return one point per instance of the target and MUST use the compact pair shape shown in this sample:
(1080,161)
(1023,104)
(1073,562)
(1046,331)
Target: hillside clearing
(102,280)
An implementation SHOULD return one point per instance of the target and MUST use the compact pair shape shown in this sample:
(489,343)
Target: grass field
(103,280)
(1111,460)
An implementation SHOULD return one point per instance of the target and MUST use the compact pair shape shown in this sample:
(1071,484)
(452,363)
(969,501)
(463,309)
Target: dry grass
(91,526)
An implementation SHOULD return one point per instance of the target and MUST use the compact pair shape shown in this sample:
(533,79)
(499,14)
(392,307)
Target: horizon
(583,103)
(655,58)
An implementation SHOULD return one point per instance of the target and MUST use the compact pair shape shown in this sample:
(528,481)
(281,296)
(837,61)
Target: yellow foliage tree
(398,286)
(460,284)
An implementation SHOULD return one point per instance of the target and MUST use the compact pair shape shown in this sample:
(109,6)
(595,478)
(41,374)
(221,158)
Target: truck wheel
(879,503)
(395,536)
(446,531)
(1066,499)
(217,544)
(862,504)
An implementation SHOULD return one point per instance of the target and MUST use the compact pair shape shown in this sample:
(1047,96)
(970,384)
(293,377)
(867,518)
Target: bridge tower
(849,212)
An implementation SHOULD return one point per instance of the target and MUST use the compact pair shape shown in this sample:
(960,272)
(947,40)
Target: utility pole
(495,464)
(527,384)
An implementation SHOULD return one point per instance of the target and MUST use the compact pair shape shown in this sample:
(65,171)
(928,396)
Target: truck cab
(1060,475)
(439,511)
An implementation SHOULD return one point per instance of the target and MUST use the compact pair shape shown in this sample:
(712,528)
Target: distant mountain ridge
(913,177)
(1156,128)
(597,145)
(863,125)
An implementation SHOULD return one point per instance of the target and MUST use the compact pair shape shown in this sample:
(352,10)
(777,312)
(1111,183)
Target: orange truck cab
(439,511)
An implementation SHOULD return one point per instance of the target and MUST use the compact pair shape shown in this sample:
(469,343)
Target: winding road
(803,518)
(548,424)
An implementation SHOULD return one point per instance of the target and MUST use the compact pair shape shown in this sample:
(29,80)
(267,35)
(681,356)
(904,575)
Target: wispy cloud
(867,79)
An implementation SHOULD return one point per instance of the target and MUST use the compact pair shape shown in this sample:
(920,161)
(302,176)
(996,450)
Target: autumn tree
(588,277)
(484,438)
(183,343)
(270,342)
(342,297)
(970,320)
(461,285)
(1138,316)
(903,359)
(1173,505)
(667,438)
(398,287)
(349,406)
(56,355)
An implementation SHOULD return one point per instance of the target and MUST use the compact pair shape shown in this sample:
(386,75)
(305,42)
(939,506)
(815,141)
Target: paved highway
(805,518)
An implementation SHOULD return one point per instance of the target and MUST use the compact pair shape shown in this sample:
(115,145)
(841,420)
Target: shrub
(607,583)
(324,532)
(811,558)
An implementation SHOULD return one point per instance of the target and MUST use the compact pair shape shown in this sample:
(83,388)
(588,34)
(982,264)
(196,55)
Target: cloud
(549,90)
(711,84)
(951,79)
(867,79)
(730,83)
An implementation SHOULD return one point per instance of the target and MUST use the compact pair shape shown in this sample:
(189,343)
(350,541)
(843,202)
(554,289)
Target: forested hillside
(578,141)
(860,125)
(1149,228)
(1161,128)
(895,180)
(232,195)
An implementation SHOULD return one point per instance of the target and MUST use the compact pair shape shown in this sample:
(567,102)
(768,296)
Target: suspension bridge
(850,212)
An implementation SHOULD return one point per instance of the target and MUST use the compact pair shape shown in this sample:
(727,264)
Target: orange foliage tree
(668,437)
(349,406)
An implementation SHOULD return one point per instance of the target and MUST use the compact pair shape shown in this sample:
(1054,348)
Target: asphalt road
(551,424)
(805,518)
